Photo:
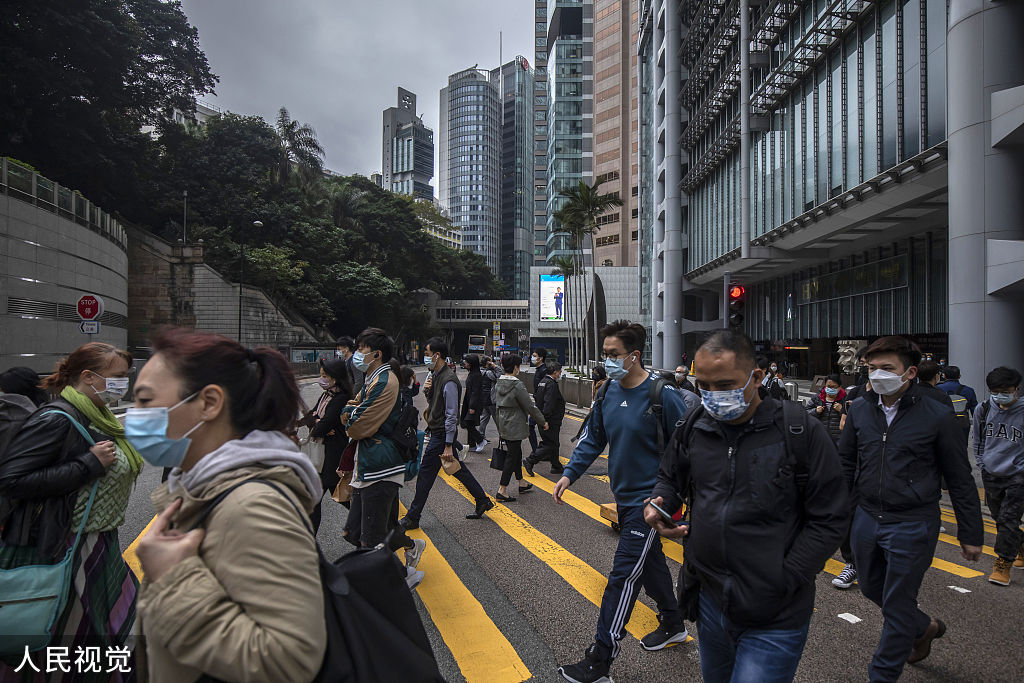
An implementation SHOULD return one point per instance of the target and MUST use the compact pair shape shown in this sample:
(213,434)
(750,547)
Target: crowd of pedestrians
(713,454)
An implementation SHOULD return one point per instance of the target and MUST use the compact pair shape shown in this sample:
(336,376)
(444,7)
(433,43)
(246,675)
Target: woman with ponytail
(46,478)
(232,582)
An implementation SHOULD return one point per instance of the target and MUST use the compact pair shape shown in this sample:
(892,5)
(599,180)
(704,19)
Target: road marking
(586,580)
(593,510)
(478,646)
(948,515)
(946,538)
(129,553)
(958,589)
(852,618)
(954,569)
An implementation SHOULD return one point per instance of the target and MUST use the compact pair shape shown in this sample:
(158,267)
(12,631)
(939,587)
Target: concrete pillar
(673,278)
(658,237)
(984,54)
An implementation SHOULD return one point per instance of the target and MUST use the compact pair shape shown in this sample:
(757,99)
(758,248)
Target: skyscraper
(615,128)
(470,174)
(408,149)
(515,82)
(540,133)
(570,109)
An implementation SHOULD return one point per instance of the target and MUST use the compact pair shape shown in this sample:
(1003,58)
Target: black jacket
(539,374)
(334,444)
(935,393)
(894,471)
(46,464)
(550,400)
(828,417)
(473,399)
(755,542)
(487,379)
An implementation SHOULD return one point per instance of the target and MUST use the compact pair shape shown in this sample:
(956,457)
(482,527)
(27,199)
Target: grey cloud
(336,65)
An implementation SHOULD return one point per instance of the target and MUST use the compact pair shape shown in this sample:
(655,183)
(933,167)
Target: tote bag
(33,597)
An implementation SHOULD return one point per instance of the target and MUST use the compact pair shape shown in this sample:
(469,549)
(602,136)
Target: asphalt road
(526,566)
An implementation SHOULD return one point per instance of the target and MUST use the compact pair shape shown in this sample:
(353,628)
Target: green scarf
(105,421)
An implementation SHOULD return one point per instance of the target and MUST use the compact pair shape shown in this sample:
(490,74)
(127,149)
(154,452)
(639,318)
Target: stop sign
(90,307)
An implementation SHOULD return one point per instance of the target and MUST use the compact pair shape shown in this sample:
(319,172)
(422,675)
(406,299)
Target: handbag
(499,455)
(366,603)
(315,450)
(33,597)
(343,491)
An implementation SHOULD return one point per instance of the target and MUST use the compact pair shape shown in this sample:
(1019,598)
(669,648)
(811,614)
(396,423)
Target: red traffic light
(736,292)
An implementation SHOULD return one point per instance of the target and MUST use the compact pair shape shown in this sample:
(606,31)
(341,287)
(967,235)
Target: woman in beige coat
(239,598)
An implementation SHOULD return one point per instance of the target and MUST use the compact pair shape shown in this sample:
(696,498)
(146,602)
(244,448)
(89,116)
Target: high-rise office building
(540,133)
(850,184)
(615,128)
(408,150)
(515,83)
(470,173)
(570,112)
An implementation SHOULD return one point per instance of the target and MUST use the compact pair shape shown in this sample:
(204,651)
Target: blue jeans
(891,560)
(639,561)
(734,654)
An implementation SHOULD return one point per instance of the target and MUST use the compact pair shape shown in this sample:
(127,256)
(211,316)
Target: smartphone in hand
(667,517)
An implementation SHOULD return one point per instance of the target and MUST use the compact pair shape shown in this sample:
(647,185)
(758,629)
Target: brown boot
(923,645)
(1000,572)
(1019,562)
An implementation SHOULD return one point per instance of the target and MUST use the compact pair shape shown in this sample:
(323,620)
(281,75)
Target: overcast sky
(337,64)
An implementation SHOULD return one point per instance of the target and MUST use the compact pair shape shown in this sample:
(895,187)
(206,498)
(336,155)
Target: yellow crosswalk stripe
(130,556)
(586,580)
(480,649)
(948,515)
(946,538)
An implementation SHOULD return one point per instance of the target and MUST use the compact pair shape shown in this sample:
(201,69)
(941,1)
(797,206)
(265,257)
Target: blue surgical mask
(613,366)
(727,405)
(1003,399)
(831,392)
(146,429)
(360,362)
(428,360)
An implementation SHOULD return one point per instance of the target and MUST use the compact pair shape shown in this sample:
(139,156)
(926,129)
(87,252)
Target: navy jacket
(895,471)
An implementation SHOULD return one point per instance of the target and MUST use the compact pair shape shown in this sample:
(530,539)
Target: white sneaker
(413,578)
(413,554)
(846,578)
(480,446)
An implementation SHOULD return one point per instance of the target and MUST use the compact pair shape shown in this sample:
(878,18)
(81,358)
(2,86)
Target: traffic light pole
(726,283)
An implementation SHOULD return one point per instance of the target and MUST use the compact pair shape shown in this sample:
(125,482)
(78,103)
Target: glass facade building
(849,228)
(570,107)
(407,162)
(515,82)
(470,182)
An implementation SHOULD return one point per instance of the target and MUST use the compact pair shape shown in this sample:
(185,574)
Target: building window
(607,262)
(634,236)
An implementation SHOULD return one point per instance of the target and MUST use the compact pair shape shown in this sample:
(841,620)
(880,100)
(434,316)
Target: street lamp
(241,277)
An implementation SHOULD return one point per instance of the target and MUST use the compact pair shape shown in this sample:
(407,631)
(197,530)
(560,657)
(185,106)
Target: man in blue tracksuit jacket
(624,420)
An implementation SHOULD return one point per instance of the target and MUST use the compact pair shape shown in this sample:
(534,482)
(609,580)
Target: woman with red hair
(47,478)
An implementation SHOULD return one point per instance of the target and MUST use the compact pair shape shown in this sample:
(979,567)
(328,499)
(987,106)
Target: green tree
(568,268)
(79,79)
(299,150)
(584,204)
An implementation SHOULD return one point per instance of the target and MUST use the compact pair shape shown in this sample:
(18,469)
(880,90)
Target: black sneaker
(591,669)
(482,506)
(408,523)
(664,636)
(557,469)
(528,466)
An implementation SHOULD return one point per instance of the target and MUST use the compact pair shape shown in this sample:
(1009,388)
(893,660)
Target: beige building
(616,127)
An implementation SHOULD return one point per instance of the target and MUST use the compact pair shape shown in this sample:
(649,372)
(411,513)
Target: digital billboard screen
(552,297)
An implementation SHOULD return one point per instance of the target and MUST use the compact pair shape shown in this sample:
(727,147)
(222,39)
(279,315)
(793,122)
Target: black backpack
(656,408)
(404,432)
(374,633)
(960,407)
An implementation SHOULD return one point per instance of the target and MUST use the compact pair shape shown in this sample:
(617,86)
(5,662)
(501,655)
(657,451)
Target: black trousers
(549,444)
(513,462)
(373,515)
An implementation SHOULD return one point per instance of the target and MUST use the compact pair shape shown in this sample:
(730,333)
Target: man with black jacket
(550,402)
(489,375)
(755,492)
(896,447)
(539,361)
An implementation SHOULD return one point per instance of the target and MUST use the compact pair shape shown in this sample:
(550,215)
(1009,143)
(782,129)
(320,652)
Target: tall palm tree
(567,268)
(587,202)
(300,151)
(571,223)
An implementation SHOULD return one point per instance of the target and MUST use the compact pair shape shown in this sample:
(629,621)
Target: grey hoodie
(999,449)
(514,402)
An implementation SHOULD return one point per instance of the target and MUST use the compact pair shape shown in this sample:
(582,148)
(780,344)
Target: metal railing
(21,182)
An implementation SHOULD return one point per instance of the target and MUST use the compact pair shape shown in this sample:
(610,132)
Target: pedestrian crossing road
(510,597)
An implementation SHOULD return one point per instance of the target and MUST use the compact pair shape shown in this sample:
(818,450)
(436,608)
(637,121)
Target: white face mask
(886,383)
(115,389)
